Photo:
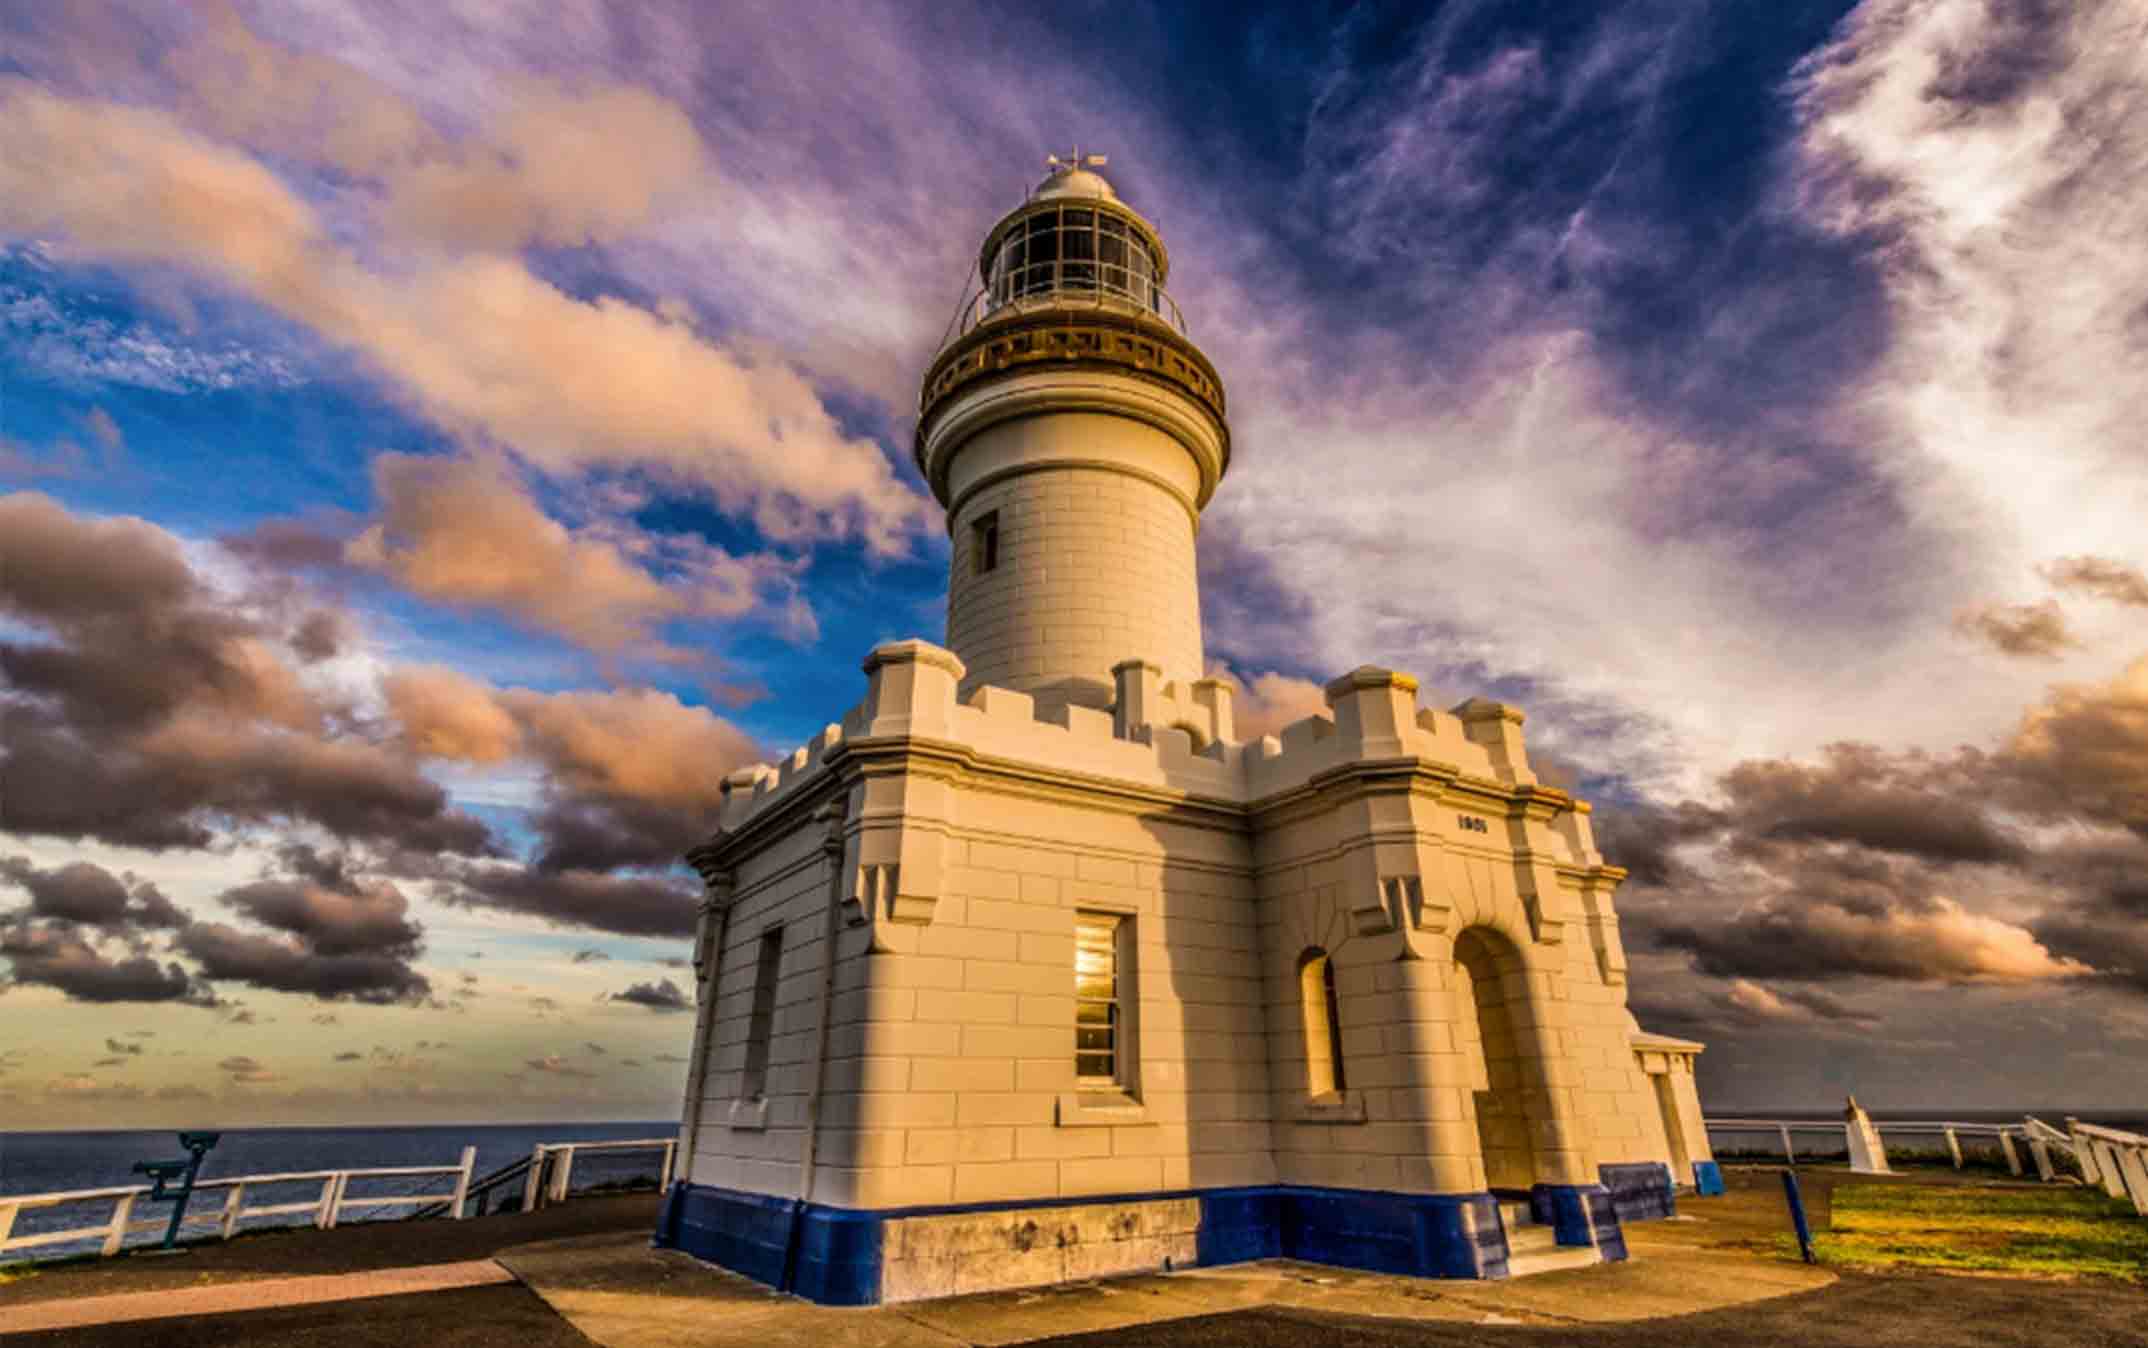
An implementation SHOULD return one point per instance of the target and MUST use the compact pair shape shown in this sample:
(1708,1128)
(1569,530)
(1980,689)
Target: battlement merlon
(1168,740)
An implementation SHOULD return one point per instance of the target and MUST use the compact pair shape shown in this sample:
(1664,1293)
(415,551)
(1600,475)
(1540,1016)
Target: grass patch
(2030,1232)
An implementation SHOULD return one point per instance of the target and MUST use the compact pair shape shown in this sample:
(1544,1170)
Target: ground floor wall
(861,1258)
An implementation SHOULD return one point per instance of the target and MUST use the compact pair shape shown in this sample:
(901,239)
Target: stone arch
(1322,1019)
(1495,1020)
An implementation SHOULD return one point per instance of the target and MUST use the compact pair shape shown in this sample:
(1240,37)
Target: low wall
(845,1257)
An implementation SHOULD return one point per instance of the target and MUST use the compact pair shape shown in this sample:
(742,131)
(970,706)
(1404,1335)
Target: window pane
(1096,1006)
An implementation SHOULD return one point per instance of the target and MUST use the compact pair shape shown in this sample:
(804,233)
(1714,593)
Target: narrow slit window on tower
(1099,1046)
(1323,1024)
(761,1024)
(984,542)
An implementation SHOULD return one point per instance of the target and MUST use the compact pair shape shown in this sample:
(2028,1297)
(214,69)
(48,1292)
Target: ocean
(32,1163)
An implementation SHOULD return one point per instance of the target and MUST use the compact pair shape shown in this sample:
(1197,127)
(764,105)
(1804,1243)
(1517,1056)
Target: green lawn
(2036,1232)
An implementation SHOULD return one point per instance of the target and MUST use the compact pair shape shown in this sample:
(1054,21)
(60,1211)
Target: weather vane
(1076,160)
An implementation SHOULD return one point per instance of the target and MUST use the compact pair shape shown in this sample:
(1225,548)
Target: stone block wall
(1095,561)
(951,1074)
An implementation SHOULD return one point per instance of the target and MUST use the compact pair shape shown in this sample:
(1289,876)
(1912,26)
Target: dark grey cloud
(1860,794)
(155,709)
(663,996)
(284,964)
(82,892)
(630,905)
(54,957)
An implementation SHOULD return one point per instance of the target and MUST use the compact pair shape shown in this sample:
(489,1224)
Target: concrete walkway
(247,1295)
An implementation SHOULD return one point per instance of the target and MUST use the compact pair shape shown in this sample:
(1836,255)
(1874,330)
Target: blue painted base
(834,1255)
(1579,1214)
(1641,1191)
(1707,1179)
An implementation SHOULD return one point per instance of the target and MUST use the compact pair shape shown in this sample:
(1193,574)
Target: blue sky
(501,419)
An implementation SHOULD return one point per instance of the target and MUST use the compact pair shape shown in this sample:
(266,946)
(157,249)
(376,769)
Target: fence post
(1954,1148)
(2013,1158)
(116,1234)
(2082,1151)
(1797,1216)
(671,1154)
(533,1186)
(321,1214)
(7,1221)
(2114,1183)
(561,1173)
(462,1181)
(2041,1154)
(1789,1154)
(2133,1165)
(234,1204)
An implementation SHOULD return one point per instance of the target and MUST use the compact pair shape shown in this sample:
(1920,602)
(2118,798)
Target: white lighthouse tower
(1074,433)
(1029,968)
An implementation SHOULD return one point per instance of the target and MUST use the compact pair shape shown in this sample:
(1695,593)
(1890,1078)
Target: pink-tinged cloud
(466,532)
(476,341)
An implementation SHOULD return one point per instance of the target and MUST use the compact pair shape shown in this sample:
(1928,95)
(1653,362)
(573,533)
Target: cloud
(245,1071)
(2101,578)
(156,706)
(1946,944)
(1270,702)
(661,996)
(630,905)
(554,1065)
(121,1046)
(594,1049)
(86,893)
(474,341)
(331,934)
(286,964)
(81,1086)
(2033,631)
(589,956)
(467,532)
(1859,794)
(57,958)
(349,1056)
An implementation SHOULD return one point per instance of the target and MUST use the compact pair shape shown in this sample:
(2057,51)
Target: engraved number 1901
(1473,824)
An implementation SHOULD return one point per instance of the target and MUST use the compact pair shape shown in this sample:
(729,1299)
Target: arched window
(1323,1024)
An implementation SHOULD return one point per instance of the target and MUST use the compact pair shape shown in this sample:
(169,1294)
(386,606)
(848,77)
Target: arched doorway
(1491,1018)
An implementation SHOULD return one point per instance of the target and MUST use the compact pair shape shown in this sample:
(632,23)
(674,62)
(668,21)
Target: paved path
(249,1295)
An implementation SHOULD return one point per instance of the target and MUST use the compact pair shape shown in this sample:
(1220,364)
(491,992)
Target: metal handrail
(984,305)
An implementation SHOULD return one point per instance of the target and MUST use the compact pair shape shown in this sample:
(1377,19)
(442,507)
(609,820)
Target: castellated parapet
(1032,967)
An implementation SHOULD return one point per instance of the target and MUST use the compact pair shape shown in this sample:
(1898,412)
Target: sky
(439,441)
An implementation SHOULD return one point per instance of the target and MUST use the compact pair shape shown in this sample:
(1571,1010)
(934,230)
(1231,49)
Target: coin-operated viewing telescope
(162,1173)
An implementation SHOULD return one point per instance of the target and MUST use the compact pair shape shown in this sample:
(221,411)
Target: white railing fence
(549,1180)
(326,1208)
(2111,1158)
(540,1188)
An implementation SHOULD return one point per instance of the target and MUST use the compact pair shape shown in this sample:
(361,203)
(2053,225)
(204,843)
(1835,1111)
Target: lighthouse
(1028,967)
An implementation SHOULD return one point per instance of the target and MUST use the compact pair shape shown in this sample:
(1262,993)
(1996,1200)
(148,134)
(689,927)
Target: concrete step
(1513,1213)
(1551,1260)
(1531,1239)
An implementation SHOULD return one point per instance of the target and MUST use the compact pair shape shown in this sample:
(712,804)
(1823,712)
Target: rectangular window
(1099,1019)
(984,542)
(761,1025)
